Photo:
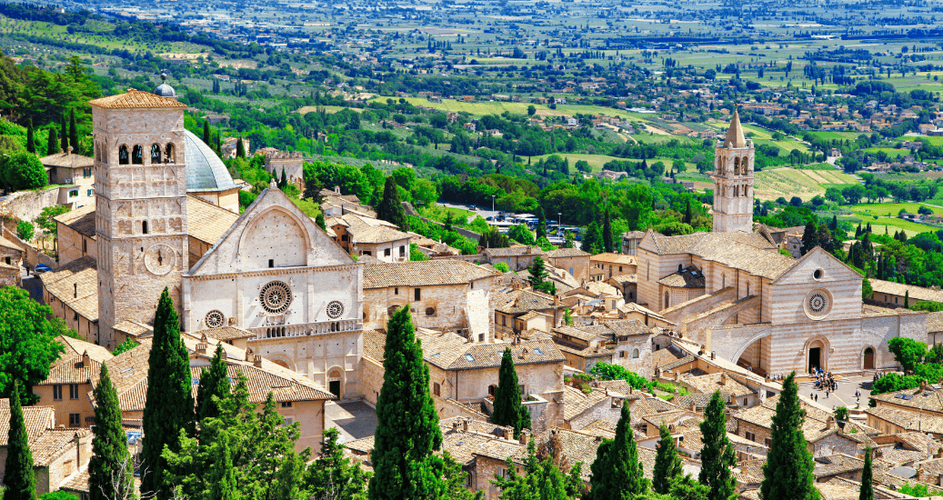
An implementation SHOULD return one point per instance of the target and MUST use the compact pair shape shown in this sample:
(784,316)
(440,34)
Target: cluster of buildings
(302,313)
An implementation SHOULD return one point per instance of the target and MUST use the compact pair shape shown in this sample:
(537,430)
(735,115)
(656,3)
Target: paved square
(845,396)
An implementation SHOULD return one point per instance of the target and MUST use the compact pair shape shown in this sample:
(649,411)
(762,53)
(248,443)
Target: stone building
(451,295)
(11,261)
(517,257)
(72,292)
(572,260)
(613,264)
(512,304)
(71,378)
(382,242)
(291,164)
(75,175)
(733,181)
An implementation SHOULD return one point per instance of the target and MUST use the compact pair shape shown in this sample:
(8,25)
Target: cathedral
(734,294)
(272,272)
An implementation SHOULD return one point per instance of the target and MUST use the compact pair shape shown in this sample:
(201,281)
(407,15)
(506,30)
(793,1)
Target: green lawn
(890,209)
(891,152)
(887,225)
(832,136)
(806,184)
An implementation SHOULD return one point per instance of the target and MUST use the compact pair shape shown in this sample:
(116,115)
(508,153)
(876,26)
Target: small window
(286,404)
(622,354)
(416,294)
(402,251)
(768,442)
(123,156)
(91,192)
(73,193)
(635,354)
(57,392)
(137,155)
(75,419)
(73,391)
(387,252)
(271,263)
(144,227)
(481,337)
(436,389)
(818,273)
(343,237)
(396,291)
(430,311)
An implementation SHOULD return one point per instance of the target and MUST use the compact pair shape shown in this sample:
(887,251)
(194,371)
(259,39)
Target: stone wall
(449,307)
(27,205)
(604,410)
(625,355)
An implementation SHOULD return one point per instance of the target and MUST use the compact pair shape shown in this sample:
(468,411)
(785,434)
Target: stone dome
(165,90)
(205,171)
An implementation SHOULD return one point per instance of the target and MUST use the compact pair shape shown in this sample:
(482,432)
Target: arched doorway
(869,359)
(335,382)
(815,356)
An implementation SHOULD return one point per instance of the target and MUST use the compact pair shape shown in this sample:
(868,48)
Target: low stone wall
(27,205)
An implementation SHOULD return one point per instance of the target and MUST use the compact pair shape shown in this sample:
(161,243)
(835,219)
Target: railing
(304,330)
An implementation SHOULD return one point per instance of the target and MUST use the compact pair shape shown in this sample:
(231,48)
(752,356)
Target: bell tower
(733,181)
(140,206)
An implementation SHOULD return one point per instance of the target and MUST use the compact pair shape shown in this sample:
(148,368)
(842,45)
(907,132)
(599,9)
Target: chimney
(337,190)
(723,378)
(524,438)
(455,426)
(677,376)
(830,423)
(693,406)
(713,355)
(86,360)
(249,354)
(201,347)
(75,290)
(257,362)
(465,425)
(556,301)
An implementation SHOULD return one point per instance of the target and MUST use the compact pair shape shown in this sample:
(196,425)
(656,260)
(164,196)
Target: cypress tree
(717,455)
(168,388)
(667,462)
(319,220)
(906,299)
(617,471)
(73,133)
(809,237)
(833,226)
(390,208)
(687,212)
(110,471)
(207,137)
(407,424)
(63,134)
(223,474)
(52,144)
(508,409)
(240,146)
(214,381)
(866,492)
(19,478)
(607,232)
(787,474)
(30,139)
(283,182)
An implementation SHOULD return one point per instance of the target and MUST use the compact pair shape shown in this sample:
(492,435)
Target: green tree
(214,387)
(319,220)
(407,424)
(521,234)
(24,230)
(508,409)
(24,171)
(27,342)
(52,144)
(667,462)
(809,237)
(30,137)
(169,382)
(73,133)
(593,239)
(333,475)
(787,474)
(908,352)
(207,135)
(717,455)
(390,208)
(607,242)
(617,471)
(531,110)
(541,480)
(63,134)
(866,492)
(223,481)
(538,277)
(240,146)
(110,471)
(19,478)
(125,345)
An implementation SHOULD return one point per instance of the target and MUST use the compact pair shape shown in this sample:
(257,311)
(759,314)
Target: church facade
(733,293)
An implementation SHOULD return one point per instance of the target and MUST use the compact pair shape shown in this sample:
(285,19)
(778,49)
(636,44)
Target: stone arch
(137,155)
(170,153)
(742,348)
(736,166)
(274,237)
(281,360)
(817,342)
(124,156)
(336,381)
(155,154)
(667,300)
(745,165)
(98,151)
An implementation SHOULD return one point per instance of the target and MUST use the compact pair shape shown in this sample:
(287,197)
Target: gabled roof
(518,301)
(423,273)
(379,234)
(450,351)
(137,99)
(76,285)
(81,220)
(67,160)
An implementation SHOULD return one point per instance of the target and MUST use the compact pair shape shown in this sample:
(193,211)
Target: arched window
(169,154)
(144,227)
(748,289)
(666,300)
(155,154)
(736,166)
(723,281)
(98,154)
(736,191)
(634,353)
(123,157)
(137,155)
(744,166)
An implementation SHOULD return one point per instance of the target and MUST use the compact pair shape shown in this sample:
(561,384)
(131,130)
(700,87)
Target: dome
(165,90)
(205,171)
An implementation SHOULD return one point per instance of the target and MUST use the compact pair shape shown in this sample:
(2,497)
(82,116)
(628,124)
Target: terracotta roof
(36,418)
(735,138)
(133,328)
(379,234)
(581,446)
(514,251)
(81,220)
(575,401)
(374,344)
(76,347)
(914,292)
(935,322)
(76,285)
(511,301)
(908,420)
(73,370)
(208,222)
(813,427)
(567,252)
(689,277)
(9,244)
(928,399)
(615,258)
(67,160)
(52,443)
(136,99)
(450,351)
(718,381)
(226,333)
(422,273)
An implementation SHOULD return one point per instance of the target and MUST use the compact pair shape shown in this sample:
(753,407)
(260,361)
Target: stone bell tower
(733,181)
(140,206)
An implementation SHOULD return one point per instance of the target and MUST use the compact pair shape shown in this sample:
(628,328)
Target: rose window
(818,303)
(275,297)
(335,309)
(214,319)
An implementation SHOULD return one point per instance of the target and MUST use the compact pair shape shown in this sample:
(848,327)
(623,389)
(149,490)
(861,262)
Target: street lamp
(558,220)
(492,203)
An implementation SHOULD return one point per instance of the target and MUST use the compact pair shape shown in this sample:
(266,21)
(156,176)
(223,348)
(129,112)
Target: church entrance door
(869,359)
(814,358)
(335,386)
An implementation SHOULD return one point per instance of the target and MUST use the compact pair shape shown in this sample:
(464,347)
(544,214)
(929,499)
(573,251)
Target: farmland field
(890,209)
(806,184)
